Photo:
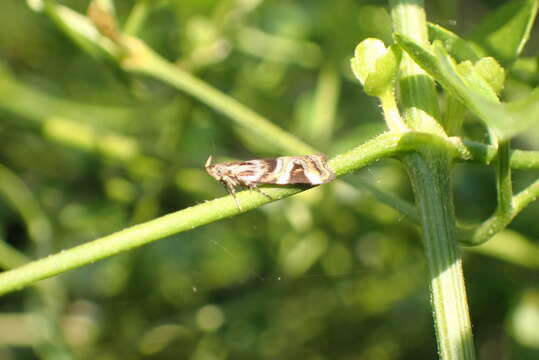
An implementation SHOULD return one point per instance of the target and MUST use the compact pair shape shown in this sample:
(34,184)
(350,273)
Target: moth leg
(232,191)
(237,202)
(260,191)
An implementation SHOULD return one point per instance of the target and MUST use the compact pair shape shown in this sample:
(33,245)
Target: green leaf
(463,82)
(504,33)
(459,48)
(475,82)
(375,66)
(489,69)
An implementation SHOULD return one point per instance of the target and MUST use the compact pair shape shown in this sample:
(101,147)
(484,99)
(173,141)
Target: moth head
(216,170)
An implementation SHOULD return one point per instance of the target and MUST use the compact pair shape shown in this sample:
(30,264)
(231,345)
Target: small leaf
(365,55)
(492,72)
(505,32)
(375,66)
(463,50)
(459,48)
(475,82)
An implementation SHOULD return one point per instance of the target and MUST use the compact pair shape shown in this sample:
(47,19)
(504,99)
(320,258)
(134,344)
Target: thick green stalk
(429,175)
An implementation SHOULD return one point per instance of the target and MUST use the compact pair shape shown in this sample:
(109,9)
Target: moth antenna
(208,162)
(212,143)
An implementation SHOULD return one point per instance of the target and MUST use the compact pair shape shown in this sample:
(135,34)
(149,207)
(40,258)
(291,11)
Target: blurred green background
(86,150)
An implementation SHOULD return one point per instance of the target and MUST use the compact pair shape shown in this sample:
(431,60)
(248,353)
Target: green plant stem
(400,205)
(503,180)
(505,209)
(525,197)
(507,205)
(429,174)
(430,178)
(142,60)
(22,200)
(418,94)
(391,111)
(497,222)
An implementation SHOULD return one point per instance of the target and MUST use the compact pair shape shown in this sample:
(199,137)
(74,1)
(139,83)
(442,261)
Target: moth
(284,170)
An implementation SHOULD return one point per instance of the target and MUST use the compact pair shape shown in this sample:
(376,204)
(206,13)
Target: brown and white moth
(284,170)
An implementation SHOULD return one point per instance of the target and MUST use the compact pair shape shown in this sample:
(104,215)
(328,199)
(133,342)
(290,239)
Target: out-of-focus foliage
(328,274)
